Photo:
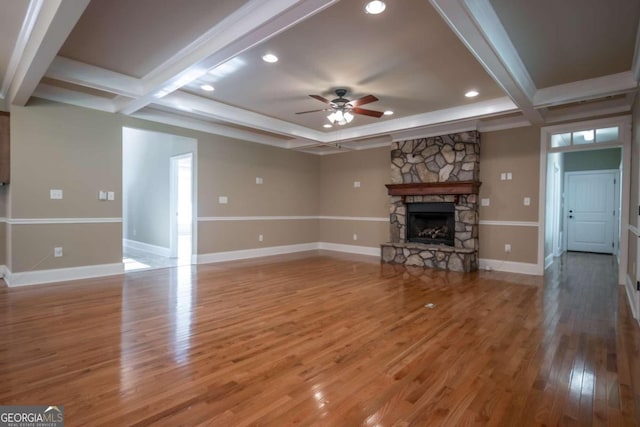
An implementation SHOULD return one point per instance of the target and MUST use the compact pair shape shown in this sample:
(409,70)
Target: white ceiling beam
(479,28)
(79,73)
(473,111)
(219,111)
(598,87)
(19,47)
(79,99)
(253,23)
(56,19)
(211,128)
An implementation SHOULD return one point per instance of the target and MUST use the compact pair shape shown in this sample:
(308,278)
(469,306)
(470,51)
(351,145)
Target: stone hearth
(435,170)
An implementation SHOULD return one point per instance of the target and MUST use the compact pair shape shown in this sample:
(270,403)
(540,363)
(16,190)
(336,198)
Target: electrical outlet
(356,184)
(507,248)
(527,201)
(57,252)
(485,202)
(355,236)
(102,195)
(55,194)
(259,180)
(503,176)
(223,200)
(260,237)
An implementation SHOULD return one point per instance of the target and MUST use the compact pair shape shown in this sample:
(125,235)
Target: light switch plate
(485,202)
(503,176)
(57,252)
(509,176)
(55,194)
(102,195)
(259,180)
(111,195)
(527,201)
(223,200)
(356,184)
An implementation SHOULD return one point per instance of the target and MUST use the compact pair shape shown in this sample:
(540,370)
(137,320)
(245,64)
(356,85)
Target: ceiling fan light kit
(343,110)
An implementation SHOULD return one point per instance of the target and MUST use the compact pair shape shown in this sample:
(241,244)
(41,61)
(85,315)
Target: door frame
(173,202)
(624,142)
(565,212)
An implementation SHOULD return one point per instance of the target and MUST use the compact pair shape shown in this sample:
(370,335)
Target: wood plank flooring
(322,339)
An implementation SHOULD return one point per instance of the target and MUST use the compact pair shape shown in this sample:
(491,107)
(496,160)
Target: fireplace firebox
(431,223)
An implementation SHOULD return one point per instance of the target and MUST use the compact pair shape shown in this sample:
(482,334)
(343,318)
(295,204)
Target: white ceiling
(532,62)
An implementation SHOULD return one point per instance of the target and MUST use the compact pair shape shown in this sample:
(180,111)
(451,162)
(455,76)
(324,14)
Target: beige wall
(221,236)
(228,167)
(79,151)
(339,197)
(516,151)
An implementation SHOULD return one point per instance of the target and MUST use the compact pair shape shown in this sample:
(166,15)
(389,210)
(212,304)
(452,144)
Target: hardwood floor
(326,340)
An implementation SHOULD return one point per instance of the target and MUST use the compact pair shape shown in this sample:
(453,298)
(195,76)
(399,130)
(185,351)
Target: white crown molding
(79,73)
(502,123)
(478,27)
(511,267)
(253,23)
(585,111)
(585,89)
(56,19)
(62,274)
(510,223)
(32,221)
(21,43)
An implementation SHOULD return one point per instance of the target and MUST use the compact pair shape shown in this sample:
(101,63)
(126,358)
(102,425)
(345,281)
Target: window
(584,137)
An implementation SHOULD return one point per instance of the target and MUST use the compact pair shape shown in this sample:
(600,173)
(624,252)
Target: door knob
(570,210)
(570,216)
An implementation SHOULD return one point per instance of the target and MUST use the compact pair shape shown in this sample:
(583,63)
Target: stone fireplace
(434,202)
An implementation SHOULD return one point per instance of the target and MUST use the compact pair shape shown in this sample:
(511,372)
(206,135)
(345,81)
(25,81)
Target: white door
(591,212)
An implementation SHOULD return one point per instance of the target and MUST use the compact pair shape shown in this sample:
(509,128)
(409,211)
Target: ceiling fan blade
(314,111)
(364,100)
(366,112)
(321,99)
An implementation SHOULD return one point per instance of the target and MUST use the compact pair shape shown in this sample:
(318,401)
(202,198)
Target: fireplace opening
(431,223)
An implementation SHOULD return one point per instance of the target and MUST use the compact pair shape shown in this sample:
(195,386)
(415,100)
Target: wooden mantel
(434,188)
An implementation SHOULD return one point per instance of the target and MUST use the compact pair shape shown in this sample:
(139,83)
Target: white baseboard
(61,274)
(352,249)
(511,267)
(632,297)
(548,261)
(146,247)
(254,253)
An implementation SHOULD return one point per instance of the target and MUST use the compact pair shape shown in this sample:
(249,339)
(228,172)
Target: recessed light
(270,58)
(207,88)
(375,7)
(388,113)
(327,125)
(472,93)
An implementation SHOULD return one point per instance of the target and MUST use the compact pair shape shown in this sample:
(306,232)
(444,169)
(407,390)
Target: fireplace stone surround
(441,169)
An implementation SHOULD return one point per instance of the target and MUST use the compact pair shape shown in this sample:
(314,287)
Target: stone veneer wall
(443,158)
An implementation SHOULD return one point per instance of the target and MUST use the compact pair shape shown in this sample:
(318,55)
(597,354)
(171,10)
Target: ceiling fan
(342,109)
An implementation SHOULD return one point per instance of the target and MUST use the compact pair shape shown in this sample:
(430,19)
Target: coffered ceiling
(536,62)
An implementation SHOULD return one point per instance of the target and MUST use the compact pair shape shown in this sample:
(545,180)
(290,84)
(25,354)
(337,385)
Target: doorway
(592,221)
(181,207)
(159,199)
